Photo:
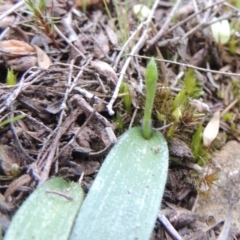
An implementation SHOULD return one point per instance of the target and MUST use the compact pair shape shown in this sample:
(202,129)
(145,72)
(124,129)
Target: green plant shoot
(11,77)
(129,187)
(18,117)
(151,78)
(127,101)
(42,18)
(38,7)
(199,152)
(107,9)
(197,140)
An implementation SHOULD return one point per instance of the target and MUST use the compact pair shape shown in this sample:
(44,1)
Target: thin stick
(196,10)
(189,66)
(231,6)
(165,25)
(133,118)
(95,42)
(76,134)
(210,77)
(227,225)
(168,227)
(193,15)
(134,50)
(126,44)
(67,92)
(229,106)
(69,43)
(60,194)
(12,9)
(16,139)
(23,84)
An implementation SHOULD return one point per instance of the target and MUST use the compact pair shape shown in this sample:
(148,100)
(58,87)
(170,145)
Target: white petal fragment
(141,11)
(211,130)
(221,31)
(43,60)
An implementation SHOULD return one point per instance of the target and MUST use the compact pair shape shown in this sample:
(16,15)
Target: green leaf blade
(126,195)
(46,215)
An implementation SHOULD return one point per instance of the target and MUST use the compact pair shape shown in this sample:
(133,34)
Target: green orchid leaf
(48,213)
(125,197)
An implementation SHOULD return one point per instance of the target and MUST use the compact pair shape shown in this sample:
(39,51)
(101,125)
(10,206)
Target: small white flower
(141,11)
(221,31)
